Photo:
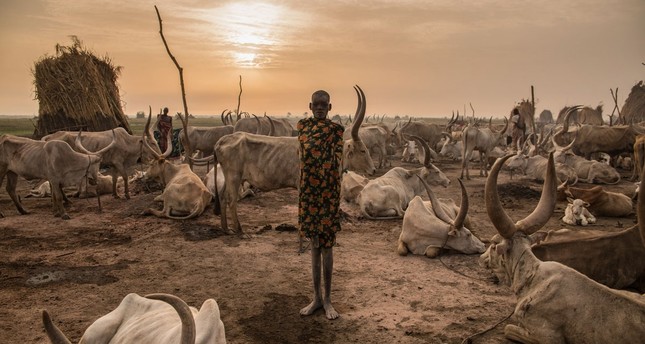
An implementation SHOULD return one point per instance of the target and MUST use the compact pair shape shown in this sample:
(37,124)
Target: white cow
(429,227)
(351,185)
(184,196)
(577,213)
(388,196)
(154,319)
(209,180)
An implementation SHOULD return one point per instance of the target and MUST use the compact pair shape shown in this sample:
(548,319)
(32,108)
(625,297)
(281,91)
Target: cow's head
(356,156)
(502,257)
(459,237)
(449,147)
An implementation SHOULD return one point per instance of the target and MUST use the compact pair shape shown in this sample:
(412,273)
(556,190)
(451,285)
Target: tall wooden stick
(239,97)
(187,150)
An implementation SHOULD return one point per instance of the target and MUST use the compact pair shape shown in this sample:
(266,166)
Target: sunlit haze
(419,58)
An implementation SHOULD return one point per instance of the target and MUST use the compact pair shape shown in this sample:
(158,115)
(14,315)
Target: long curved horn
(447,136)
(565,123)
(80,146)
(147,145)
(426,149)
(188,329)
(55,335)
(463,209)
(540,216)
(496,213)
(223,118)
(567,147)
(436,205)
(258,130)
(272,126)
(360,113)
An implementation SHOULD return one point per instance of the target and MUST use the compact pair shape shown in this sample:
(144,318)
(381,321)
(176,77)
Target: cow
(429,132)
(639,156)
(375,138)
(588,171)
(249,125)
(123,156)
(54,161)
(209,181)
(535,166)
(410,152)
(555,303)
(601,202)
(613,140)
(271,163)
(430,227)
(103,187)
(204,138)
(577,214)
(387,196)
(184,195)
(155,318)
(351,185)
(483,140)
(582,115)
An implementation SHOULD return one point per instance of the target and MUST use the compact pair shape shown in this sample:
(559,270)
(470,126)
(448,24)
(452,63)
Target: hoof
(65,217)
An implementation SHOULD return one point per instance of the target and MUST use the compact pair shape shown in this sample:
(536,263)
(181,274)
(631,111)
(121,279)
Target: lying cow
(209,180)
(184,196)
(577,213)
(157,318)
(387,196)
(429,227)
(555,303)
(534,167)
(351,185)
(103,186)
(601,202)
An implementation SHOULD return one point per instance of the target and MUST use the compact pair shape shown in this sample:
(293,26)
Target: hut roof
(634,108)
(77,90)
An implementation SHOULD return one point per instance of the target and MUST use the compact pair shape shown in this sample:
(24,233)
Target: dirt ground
(81,269)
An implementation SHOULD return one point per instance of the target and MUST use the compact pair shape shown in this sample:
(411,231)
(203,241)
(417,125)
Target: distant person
(321,153)
(164,126)
(517,129)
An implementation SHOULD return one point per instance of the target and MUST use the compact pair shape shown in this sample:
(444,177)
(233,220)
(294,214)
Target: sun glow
(254,29)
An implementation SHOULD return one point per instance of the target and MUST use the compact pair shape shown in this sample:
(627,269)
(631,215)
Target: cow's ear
(570,200)
(586,204)
(452,231)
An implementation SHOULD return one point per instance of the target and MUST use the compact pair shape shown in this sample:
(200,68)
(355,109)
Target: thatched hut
(634,108)
(77,90)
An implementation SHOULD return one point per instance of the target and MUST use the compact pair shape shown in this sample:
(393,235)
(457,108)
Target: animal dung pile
(77,90)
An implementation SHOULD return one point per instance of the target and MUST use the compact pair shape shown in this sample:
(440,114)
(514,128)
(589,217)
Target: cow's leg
(57,200)
(518,334)
(465,162)
(484,164)
(124,175)
(66,200)
(12,182)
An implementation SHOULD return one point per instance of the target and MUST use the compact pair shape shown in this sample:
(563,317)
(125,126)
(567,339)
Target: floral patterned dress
(321,152)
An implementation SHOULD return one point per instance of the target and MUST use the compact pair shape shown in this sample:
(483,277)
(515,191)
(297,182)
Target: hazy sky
(420,58)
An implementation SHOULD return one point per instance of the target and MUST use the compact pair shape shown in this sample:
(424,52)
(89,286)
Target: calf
(577,214)
(555,304)
(157,318)
(352,185)
(429,227)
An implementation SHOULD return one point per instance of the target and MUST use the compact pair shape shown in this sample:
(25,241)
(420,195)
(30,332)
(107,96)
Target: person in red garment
(164,125)
(321,153)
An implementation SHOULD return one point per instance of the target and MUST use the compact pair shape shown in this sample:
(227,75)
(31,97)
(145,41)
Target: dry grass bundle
(634,108)
(77,90)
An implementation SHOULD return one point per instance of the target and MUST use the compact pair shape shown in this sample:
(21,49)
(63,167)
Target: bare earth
(81,269)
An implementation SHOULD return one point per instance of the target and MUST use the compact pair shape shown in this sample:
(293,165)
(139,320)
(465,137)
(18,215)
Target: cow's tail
(217,207)
(55,335)
(188,328)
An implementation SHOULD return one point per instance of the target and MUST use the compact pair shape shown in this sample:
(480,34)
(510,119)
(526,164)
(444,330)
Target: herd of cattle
(565,280)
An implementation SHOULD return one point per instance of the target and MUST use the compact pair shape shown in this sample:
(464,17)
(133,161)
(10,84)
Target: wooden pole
(184,121)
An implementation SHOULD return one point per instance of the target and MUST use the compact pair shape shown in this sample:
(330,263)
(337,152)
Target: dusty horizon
(412,58)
